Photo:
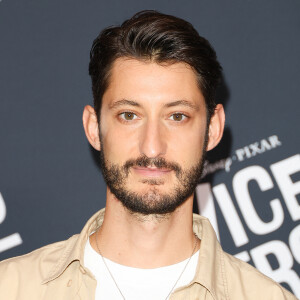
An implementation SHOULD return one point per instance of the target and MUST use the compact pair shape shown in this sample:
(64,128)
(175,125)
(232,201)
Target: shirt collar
(210,271)
(210,268)
(74,249)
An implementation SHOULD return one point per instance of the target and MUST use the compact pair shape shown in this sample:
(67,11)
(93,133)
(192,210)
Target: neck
(145,241)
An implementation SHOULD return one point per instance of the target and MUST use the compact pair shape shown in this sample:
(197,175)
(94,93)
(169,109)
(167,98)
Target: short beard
(152,202)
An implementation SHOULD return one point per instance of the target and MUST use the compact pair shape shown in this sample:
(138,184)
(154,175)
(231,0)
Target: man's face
(153,135)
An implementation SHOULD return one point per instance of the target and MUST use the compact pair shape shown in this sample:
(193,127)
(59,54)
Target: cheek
(119,143)
(187,146)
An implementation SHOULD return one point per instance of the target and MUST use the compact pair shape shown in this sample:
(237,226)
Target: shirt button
(69,283)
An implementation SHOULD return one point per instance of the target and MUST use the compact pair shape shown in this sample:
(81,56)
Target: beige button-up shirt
(57,272)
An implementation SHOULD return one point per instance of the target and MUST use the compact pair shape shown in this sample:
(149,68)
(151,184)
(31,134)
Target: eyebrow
(124,102)
(171,104)
(184,103)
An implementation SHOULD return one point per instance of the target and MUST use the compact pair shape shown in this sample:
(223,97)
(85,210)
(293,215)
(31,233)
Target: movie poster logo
(11,240)
(256,220)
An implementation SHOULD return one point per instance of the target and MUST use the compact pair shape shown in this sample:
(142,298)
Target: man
(154,81)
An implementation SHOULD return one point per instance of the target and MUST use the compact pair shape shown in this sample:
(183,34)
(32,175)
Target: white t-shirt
(134,283)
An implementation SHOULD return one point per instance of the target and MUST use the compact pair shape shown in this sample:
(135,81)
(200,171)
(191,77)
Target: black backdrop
(50,183)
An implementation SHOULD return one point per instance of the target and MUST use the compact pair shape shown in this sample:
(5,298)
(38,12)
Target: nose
(152,141)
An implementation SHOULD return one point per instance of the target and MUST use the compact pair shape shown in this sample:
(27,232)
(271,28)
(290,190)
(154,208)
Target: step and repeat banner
(50,181)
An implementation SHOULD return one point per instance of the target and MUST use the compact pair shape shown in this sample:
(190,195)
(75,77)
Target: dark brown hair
(150,35)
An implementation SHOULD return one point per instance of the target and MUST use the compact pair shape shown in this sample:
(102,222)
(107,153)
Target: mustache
(158,162)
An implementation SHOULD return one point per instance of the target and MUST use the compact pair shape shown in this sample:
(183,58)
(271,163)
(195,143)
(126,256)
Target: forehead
(149,81)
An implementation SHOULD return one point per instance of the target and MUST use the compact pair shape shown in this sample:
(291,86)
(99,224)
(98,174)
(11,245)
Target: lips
(151,171)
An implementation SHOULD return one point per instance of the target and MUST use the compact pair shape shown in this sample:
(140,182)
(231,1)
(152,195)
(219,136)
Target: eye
(178,117)
(128,116)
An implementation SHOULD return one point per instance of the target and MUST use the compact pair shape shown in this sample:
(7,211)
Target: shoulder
(44,256)
(252,284)
(31,269)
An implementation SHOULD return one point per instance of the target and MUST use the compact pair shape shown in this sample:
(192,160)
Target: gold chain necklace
(112,277)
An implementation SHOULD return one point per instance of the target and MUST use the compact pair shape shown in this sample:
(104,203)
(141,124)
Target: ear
(91,128)
(216,127)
